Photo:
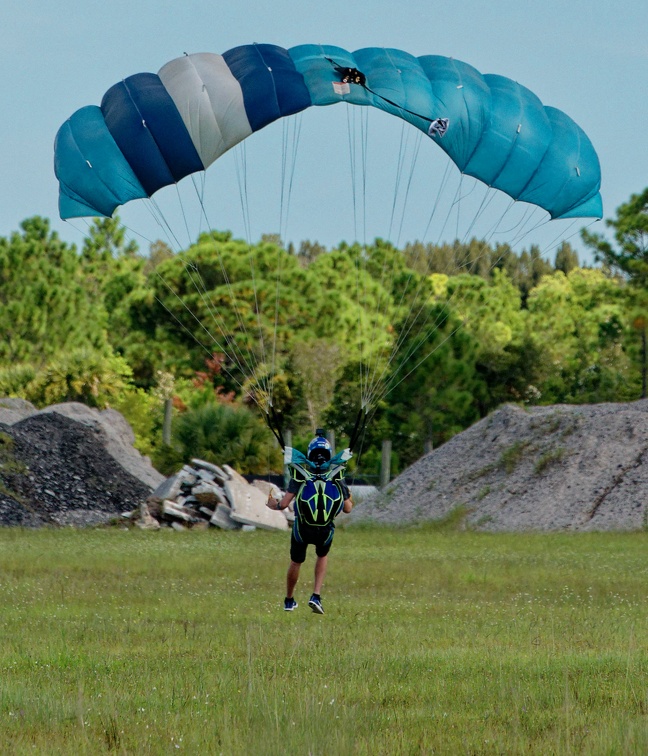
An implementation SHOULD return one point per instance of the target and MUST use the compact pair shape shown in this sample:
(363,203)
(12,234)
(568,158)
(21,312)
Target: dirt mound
(562,467)
(55,470)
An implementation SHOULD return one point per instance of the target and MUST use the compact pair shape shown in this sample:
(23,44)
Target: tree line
(452,330)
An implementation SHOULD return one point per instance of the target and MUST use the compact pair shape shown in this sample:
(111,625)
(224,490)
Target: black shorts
(303,535)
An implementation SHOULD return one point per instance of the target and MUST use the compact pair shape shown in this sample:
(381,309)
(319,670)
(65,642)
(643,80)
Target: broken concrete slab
(233,475)
(219,473)
(209,493)
(147,522)
(169,488)
(171,509)
(250,506)
(222,518)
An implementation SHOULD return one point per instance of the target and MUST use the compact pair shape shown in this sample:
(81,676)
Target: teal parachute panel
(497,130)
(94,175)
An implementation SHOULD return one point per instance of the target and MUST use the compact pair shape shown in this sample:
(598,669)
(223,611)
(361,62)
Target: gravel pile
(561,467)
(62,471)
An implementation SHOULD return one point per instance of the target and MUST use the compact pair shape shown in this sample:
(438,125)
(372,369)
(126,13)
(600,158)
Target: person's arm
(272,503)
(348,501)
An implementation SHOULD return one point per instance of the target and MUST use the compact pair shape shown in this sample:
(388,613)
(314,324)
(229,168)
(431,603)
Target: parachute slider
(438,127)
(351,76)
(348,75)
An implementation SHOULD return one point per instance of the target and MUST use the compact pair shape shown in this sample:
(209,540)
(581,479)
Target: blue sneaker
(290,604)
(315,603)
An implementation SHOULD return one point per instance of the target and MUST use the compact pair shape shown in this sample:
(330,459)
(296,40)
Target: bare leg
(292,578)
(320,571)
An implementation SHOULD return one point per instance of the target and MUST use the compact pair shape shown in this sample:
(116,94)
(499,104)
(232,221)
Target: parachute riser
(275,426)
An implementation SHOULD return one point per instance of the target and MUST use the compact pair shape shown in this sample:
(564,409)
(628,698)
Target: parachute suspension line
(435,206)
(351,133)
(290,139)
(521,223)
(379,393)
(364,121)
(249,365)
(160,219)
(406,331)
(364,142)
(184,215)
(449,213)
(413,162)
(488,197)
(399,166)
(375,392)
(240,163)
(571,236)
(350,114)
(205,329)
(391,386)
(200,194)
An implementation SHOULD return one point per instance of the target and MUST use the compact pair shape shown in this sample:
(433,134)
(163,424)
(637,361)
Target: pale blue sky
(587,58)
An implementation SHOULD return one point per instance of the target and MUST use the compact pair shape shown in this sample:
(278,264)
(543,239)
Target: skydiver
(317,467)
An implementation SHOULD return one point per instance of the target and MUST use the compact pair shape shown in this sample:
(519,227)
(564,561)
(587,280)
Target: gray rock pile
(561,467)
(203,495)
(55,470)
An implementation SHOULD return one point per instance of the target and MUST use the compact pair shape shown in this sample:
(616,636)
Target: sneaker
(290,604)
(315,604)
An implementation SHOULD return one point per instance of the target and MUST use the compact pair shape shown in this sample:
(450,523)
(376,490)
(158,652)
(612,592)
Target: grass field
(433,642)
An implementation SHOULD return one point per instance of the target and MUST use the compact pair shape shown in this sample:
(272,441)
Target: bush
(82,375)
(222,434)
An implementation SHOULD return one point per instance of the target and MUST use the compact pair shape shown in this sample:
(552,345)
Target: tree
(45,307)
(566,258)
(580,324)
(316,364)
(630,257)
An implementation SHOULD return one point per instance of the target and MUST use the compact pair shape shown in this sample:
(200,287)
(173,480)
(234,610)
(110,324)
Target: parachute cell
(154,129)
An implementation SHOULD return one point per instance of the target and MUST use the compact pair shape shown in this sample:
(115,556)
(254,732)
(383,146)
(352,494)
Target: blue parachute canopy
(151,130)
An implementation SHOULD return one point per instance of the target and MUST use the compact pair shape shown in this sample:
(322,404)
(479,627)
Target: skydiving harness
(437,127)
(320,498)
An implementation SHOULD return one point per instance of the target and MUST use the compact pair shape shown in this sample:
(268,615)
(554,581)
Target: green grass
(548,458)
(433,641)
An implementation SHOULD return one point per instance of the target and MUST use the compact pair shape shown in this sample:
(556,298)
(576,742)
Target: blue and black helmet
(319,449)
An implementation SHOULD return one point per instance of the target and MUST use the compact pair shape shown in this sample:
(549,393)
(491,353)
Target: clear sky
(589,59)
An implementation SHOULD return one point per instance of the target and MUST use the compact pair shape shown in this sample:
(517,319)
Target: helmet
(319,450)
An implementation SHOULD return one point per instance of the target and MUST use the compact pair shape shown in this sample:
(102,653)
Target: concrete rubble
(203,495)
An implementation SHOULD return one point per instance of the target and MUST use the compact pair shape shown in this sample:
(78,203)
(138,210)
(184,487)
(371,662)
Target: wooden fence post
(330,437)
(385,463)
(166,426)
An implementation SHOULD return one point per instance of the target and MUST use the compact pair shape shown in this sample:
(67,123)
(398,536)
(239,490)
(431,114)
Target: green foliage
(91,377)
(549,458)
(448,331)
(511,457)
(14,379)
(225,434)
(144,413)
(630,257)
(45,306)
